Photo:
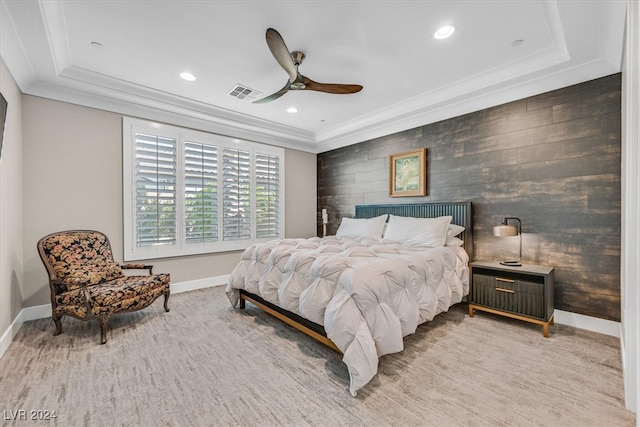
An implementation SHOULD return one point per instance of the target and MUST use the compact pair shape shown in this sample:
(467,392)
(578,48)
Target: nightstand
(524,293)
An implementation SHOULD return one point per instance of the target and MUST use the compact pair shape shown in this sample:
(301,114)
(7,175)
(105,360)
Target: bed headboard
(460,211)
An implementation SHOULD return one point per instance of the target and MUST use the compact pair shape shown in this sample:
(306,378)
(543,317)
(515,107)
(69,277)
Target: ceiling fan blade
(330,87)
(280,52)
(273,96)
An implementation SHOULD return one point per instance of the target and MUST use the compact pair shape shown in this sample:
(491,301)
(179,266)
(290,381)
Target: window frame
(132,252)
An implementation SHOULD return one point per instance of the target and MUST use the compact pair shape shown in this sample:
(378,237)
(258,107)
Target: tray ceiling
(126,57)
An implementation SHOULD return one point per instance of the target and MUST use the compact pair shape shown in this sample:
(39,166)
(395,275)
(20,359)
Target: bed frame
(460,211)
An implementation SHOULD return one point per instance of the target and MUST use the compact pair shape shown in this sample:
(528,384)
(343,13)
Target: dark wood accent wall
(553,160)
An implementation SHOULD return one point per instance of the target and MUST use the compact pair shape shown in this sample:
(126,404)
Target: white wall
(630,269)
(11,258)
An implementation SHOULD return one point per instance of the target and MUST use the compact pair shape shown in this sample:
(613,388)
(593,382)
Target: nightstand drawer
(509,294)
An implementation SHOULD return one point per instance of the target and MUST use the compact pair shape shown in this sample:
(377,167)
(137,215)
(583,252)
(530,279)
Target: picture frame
(3,118)
(408,174)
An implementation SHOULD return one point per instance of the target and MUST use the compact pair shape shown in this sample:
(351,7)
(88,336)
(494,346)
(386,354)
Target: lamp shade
(505,230)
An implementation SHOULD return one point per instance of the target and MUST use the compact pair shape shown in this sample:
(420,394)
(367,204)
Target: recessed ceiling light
(517,42)
(97,45)
(444,32)
(292,110)
(187,76)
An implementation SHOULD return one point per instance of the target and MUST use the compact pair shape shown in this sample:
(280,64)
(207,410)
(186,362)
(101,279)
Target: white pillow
(362,227)
(453,230)
(454,241)
(428,231)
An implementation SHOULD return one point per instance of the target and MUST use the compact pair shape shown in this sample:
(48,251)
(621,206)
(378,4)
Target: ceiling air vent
(244,93)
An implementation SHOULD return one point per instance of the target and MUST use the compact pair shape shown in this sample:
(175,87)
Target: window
(188,192)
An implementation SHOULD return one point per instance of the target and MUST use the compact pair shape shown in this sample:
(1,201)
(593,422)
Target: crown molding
(188,114)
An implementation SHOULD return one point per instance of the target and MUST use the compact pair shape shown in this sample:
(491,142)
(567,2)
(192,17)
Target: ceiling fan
(290,62)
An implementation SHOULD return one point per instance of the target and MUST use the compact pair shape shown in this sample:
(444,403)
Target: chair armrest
(59,287)
(62,286)
(138,267)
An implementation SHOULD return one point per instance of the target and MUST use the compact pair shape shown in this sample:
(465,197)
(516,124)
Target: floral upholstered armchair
(87,283)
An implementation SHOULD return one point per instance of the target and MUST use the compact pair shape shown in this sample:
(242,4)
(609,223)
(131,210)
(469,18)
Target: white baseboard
(7,337)
(192,285)
(36,312)
(26,314)
(594,324)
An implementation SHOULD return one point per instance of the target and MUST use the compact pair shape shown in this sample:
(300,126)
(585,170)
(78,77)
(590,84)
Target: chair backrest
(76,258)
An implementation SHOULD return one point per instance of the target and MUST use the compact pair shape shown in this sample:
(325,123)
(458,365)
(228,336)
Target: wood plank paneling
(553,160)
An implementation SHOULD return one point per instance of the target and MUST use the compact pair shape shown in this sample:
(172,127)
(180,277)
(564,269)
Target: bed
(387,270)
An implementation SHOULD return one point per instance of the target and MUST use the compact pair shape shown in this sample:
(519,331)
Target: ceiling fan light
(444,32)
(185,75)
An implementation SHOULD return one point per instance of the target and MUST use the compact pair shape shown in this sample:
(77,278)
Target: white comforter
(367,294)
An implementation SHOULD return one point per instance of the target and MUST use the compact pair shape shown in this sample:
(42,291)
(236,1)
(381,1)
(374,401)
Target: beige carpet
(205,364)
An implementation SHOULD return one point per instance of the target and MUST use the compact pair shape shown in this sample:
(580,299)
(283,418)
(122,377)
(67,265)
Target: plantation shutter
(200,192)
(267,196)
(155,182)
(236,193)
(189,192)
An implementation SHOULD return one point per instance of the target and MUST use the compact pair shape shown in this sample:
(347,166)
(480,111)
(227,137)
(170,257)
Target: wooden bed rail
(300,323)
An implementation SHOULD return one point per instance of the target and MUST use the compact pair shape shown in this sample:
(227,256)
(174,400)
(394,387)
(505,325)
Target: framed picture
(3,118)
(407,174)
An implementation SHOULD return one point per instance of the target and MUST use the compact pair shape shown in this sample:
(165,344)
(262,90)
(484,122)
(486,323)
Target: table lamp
(325,220)
(505,230)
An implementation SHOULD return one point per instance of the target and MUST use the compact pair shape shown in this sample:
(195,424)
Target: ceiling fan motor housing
(297,57)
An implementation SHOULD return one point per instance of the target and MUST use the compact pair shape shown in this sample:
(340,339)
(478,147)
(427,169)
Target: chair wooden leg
(56,320)
(103,329)
(166,301)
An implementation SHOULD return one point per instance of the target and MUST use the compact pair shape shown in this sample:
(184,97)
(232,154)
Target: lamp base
(511,263)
